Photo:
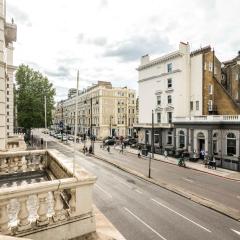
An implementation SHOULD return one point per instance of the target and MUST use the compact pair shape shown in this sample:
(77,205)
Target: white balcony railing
(67,197)
(210,118)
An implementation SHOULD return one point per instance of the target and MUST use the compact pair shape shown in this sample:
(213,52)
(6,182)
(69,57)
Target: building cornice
(160,60)
(160,75)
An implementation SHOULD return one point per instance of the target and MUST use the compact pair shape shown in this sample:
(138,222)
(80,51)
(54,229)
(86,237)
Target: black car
(129,141)
(109,142)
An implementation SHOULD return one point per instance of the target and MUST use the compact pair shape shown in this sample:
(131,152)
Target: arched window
(231,144)
(181,139)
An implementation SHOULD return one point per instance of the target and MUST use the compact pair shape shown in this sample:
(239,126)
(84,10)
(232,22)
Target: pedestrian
(108,148)
(41,142)
(90,149)
(165,154)
(121,150)
(214,164)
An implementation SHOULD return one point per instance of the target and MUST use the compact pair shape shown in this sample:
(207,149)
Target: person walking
(108,148)
(165,154)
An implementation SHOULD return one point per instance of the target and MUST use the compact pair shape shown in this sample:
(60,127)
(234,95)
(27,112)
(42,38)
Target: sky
(105,39)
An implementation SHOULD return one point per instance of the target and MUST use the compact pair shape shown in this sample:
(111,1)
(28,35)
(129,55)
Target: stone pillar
(192,140)
(174,138)
(210,152)
(187,141)
(58,207)
(4,229)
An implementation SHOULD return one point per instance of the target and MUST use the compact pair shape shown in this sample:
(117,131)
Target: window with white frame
(210,89)
(237,77)
(169,137)
(169,116)
(197,105)
(210,105)
(169,83)
(169,67)
(210,66)
(169,99)
(158,100)
(181,139)
(231,144)
(158,117)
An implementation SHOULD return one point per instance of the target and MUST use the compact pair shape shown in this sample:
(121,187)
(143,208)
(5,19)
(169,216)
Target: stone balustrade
(13,162)
(62,201)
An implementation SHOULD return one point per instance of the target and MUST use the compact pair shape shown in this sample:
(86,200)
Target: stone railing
(23,161)
(205,118)
(64,202)
(16,143)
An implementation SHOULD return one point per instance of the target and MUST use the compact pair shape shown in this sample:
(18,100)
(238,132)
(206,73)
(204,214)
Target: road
(142,211)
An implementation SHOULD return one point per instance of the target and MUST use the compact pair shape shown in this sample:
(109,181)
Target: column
(187,141)
(192,140)
(174,138)
(210,153)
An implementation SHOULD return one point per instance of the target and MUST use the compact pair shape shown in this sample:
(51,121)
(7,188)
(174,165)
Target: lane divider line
(179,214)
(140,220)
(108,194)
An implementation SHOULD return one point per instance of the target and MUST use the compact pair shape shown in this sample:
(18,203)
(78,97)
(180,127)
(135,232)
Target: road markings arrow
(237,232)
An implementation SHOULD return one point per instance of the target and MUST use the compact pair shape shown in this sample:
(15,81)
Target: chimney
(145,59)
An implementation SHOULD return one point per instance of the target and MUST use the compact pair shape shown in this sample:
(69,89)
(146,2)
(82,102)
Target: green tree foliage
(31,87)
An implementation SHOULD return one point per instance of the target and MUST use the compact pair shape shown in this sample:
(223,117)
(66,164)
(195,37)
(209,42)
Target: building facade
(102,109)
(7,37)
(184,85)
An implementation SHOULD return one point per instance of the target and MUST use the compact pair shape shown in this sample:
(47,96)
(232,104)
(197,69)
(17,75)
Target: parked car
(71,138)
(109,142)
(129,141)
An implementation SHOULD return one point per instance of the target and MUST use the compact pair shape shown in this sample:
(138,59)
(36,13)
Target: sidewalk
(221,172)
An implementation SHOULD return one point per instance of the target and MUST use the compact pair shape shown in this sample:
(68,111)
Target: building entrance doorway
(201,144)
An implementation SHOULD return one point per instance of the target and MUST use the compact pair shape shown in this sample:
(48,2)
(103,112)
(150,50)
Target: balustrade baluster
(42,210)
(3,166)
(58,207)
(4,219)
(23,214)
(72,202)
(24,163)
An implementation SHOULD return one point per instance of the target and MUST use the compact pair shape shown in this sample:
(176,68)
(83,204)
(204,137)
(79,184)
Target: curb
(229,212)
(199,170)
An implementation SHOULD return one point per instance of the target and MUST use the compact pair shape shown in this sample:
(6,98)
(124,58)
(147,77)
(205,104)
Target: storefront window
(231,144)
(181,139)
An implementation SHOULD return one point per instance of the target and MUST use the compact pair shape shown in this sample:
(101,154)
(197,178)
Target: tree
(31,87)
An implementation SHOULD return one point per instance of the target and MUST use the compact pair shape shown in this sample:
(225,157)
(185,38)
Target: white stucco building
(7,37)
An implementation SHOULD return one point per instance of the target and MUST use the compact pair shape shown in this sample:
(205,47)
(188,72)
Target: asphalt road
(218,189)
(142,211)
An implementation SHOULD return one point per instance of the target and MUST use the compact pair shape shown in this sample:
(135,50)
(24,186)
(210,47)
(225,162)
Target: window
(215,70)
(169,115)
(133,111)
(147,136)
(237,96)
(210,66)
(169,67)
(197,105)
(191,105)
(237,76)
(231,144)
(156,138)
(210,89)
(181,139)
(118,110)
(158,100)
(169,82)
(210,105)
(169,99)
(169,137)
(205,66)
(158,117)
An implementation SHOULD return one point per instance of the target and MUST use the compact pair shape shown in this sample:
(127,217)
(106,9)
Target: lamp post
(152,141)
(45,115)
(110,126)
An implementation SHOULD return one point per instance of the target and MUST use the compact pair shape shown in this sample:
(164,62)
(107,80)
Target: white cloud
(104,39)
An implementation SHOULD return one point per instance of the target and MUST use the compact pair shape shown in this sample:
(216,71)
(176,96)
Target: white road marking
(237,232)
(188,180)
(119,180)
(108,194)
(140,220)
(138,191)
(179,214)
